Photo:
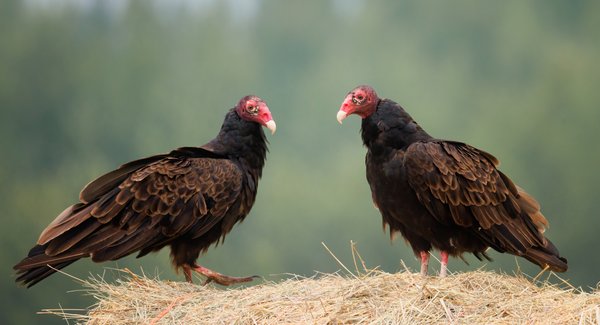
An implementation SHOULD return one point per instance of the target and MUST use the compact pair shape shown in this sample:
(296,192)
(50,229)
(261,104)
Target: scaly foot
(217,277)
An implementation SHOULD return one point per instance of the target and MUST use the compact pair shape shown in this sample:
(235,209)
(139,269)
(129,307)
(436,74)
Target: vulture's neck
(242,141)
(390,128)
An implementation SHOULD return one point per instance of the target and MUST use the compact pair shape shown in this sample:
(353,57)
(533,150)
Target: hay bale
(375,297)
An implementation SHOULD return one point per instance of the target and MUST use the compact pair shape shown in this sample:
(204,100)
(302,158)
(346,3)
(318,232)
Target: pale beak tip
(341,115)
(271,126)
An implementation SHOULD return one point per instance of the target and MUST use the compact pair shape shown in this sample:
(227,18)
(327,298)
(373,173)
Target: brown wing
(108,181)
(460,185)
(104,183)
(151,205)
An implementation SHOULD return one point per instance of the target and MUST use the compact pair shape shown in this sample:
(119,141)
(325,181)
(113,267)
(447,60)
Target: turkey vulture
(444,194)
(187,199)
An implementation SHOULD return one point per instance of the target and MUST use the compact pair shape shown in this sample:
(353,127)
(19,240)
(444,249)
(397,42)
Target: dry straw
(358,297)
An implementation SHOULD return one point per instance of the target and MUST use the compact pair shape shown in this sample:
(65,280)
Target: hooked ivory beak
(271,126)
(341,115)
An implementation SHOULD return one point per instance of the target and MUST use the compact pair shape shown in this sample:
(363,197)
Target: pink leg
(444,269)
(187,271)
(424,262)
(218,277)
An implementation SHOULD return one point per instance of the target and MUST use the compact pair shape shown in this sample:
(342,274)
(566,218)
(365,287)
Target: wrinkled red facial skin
(361,101)
(245,108)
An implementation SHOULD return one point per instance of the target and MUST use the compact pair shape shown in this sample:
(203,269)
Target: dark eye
(252,110)
(358,99)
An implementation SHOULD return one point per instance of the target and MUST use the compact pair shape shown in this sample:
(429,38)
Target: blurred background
(88,85)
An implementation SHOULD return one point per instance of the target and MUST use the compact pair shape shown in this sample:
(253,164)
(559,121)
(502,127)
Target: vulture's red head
(253,108)
(361,101)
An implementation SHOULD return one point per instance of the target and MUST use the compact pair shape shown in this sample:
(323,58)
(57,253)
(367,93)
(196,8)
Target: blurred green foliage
(86,86)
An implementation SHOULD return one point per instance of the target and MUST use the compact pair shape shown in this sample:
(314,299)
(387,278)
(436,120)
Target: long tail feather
(547,256)
(38,266)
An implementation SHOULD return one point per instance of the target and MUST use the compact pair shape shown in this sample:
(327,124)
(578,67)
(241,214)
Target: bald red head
(361,101)
(253,108)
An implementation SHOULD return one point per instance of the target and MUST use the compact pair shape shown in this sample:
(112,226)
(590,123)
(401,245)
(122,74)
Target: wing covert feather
(156,202)
(460,184)
(459,177)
